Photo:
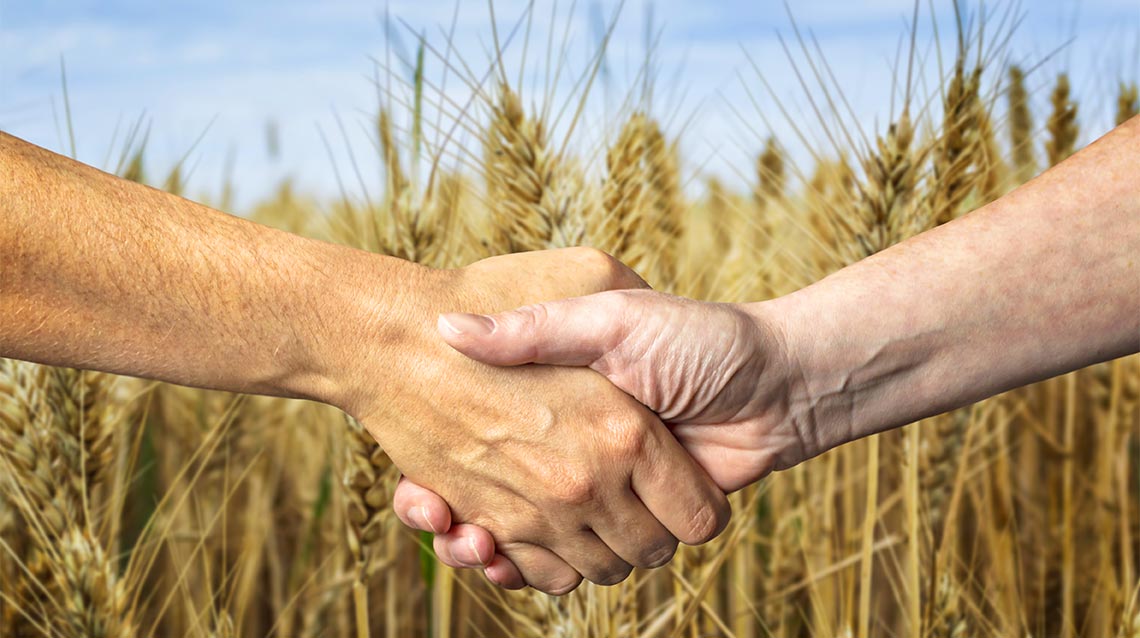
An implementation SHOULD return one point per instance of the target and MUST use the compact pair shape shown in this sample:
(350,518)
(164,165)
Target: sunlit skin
(1041,282)
(101,273)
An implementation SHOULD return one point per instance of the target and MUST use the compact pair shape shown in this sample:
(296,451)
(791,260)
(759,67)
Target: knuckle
(525,321)
(706,522)
(607,269)
(573,489)
(616,302)
(659,554)
(613,573)
(594,257)
(535,316)
(626,438)
(561,586)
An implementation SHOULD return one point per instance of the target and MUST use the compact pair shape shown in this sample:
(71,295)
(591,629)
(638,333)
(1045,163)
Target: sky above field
(226,68)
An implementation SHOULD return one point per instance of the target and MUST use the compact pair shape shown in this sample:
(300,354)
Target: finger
(731,466)
(420,508)
(465,546)
(683,498)
(572,332)
(502,572)
(634,534)
(592,558)
(541,568)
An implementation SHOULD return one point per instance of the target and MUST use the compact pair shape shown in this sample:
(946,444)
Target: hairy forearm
(1038,283)
(97,272)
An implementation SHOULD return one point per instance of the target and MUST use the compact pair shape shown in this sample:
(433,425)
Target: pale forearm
(105,274)
(1041,282)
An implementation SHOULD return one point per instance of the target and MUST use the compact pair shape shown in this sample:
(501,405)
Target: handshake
(584,434)
(591,424)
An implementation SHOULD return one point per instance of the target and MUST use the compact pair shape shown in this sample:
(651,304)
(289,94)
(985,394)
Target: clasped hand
(545,474)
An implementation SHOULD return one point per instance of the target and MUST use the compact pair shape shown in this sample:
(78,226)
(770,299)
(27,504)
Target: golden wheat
(1062,123)
(1127,102)
(1020,127)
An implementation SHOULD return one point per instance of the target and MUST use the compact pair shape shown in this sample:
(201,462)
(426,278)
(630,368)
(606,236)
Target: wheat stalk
(771,174)
(56,448)
(949,620)
(664,205)
(367,497)
(519,169)
(957,153)
(32,451)
(993,169)
(135,170)
(93,602)
(174,182)
(449,247)
(78,400)
(885,213)
(619,228)
(1062,123)
(1127,102)
(1021,140)
(366,465)
(940,455)
(411,228)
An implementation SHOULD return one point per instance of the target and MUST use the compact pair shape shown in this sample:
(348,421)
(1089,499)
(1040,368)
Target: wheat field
(132,508)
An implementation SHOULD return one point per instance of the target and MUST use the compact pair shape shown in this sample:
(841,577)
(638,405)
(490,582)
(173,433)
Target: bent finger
(465,546)
(686,501)
(420,508)
(542,569)
(634,534)
(592,558)
(502,572)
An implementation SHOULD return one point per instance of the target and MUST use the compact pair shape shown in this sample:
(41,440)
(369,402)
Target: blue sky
(234,65)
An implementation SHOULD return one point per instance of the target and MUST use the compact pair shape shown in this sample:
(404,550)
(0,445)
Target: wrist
(824,396)
(859,366)
(797,416)
(365,318)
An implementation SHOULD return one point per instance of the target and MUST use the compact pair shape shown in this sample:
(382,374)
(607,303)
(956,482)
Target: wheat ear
(1020,127)
(1062,123)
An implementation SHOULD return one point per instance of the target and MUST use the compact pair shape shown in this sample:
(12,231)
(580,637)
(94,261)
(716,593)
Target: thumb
(571,332)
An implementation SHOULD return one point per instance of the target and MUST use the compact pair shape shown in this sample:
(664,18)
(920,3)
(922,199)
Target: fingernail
(427,520)
(494,581)
(475,551)
(467,557)
(463,323)
(419,516)
(451,554)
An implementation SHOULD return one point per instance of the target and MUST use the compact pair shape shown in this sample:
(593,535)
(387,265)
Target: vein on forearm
(1040,282)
